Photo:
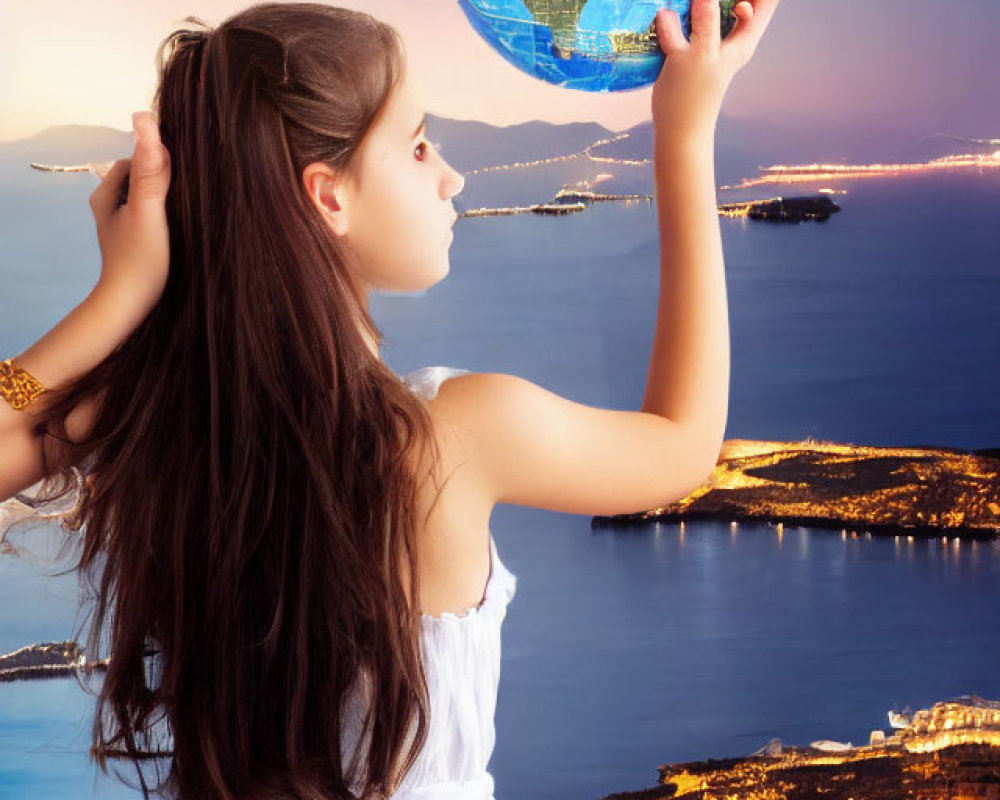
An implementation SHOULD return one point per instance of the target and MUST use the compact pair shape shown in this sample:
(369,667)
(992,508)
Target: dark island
(783,209)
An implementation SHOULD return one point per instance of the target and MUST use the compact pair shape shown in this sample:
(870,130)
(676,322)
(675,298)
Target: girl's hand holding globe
(688,94)
(593,45)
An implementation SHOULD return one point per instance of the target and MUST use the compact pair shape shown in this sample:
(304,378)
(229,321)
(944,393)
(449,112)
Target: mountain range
(742,145)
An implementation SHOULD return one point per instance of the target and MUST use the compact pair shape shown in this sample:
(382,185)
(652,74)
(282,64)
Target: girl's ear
(327,192)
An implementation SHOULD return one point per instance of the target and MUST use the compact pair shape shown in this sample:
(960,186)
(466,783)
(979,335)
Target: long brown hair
(250,523)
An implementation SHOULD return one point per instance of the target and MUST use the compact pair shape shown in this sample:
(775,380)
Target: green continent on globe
(592,45)
(560,16)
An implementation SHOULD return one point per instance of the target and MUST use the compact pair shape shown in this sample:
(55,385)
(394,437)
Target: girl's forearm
(135,260)
(78,343)
(688,378)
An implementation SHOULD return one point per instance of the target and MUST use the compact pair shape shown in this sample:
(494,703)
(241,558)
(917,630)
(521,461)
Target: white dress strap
(427,380)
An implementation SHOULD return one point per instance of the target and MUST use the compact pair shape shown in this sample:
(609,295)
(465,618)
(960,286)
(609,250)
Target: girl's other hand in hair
(134,240)
(688,93)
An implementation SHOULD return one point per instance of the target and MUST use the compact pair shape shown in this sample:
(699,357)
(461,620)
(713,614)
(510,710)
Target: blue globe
(592,45)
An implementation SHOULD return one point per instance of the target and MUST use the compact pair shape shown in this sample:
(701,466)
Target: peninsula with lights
(951,750)
(773,209)
(917,492)
(566,201)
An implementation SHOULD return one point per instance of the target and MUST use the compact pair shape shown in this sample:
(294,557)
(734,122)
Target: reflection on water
(676,646)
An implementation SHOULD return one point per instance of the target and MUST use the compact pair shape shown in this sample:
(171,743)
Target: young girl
(296,572)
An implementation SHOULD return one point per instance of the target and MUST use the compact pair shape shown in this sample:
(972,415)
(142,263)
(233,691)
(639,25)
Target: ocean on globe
(592,45)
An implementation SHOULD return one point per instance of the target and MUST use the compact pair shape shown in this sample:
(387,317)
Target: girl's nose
(453,181)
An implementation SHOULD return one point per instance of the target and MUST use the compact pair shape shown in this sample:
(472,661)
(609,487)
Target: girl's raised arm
(538,449)
(134,246)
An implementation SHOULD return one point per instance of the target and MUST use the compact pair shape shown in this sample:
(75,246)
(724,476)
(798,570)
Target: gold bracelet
(17,386)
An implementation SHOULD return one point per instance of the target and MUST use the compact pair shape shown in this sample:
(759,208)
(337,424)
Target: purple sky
(920,66)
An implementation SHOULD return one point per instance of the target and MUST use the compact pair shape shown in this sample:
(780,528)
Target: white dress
(461,654)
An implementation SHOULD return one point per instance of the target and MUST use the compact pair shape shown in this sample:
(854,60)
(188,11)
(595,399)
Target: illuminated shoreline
(948,752)
(810,173)
(903,492)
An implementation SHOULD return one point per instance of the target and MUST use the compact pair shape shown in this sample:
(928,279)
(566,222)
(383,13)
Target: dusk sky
(924,66)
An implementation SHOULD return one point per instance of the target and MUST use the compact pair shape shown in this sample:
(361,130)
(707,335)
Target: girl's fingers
(752,23)
(743,12)
(104,199)
(669,32)
(706,23)
(150,175)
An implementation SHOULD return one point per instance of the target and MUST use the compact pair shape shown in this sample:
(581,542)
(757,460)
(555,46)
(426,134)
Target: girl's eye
(421,149)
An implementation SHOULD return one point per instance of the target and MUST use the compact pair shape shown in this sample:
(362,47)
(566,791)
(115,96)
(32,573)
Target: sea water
(625,649)
(628,649)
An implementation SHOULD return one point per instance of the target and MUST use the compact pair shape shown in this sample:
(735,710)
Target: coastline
(949,751)
(888,491)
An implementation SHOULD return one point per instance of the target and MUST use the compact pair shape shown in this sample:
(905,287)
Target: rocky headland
(47,660)
(948,752)
(925,492)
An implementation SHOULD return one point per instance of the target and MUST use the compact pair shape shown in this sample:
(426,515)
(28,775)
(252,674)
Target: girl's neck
(372,343)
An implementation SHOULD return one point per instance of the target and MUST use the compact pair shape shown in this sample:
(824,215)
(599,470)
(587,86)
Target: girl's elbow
(704,463)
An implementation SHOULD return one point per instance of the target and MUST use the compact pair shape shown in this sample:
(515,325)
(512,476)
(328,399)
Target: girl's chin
(409,287)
